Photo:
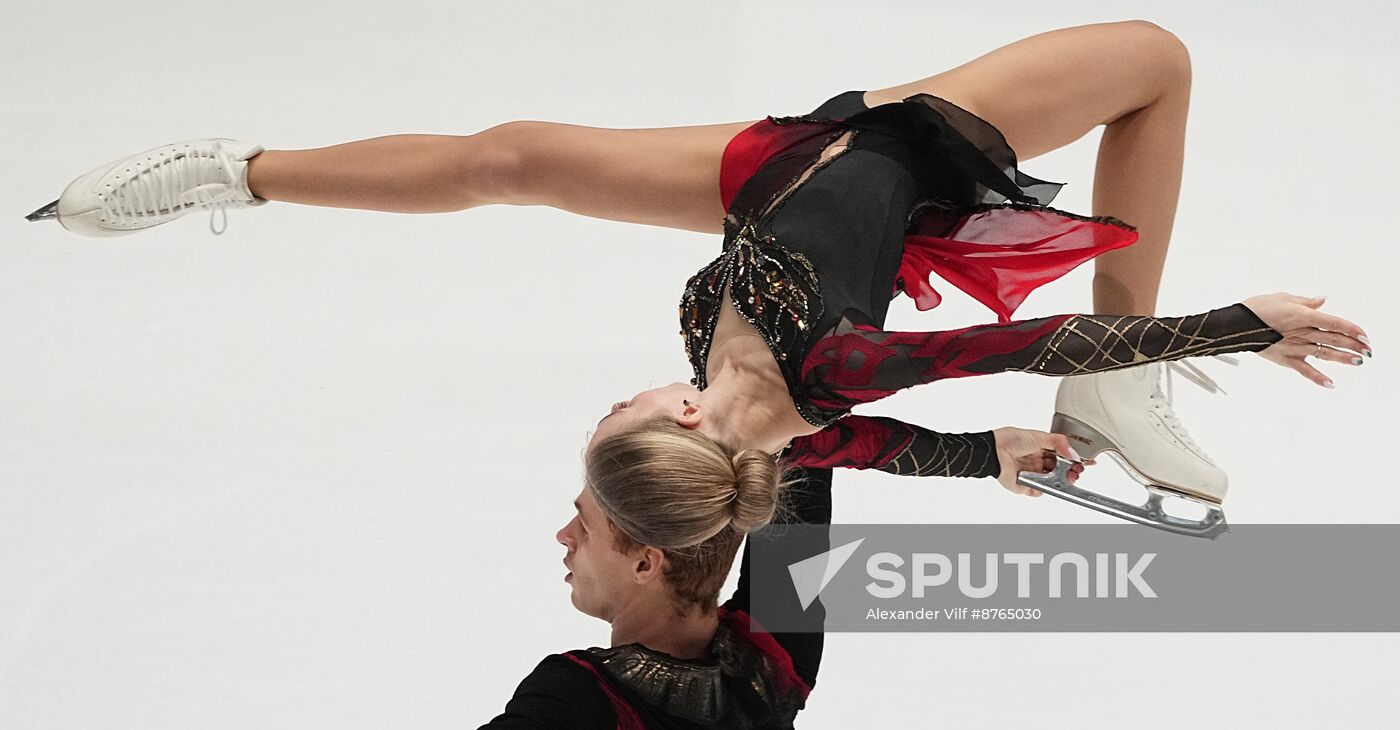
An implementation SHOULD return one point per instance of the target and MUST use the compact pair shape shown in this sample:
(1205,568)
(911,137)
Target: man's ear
(650,565)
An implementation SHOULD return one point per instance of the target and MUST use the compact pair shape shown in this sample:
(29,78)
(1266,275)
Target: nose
(563,536)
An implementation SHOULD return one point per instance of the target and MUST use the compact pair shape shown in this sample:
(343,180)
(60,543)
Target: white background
(308,474)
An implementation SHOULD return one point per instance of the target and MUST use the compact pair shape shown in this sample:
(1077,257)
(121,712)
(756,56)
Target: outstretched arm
(857,363)
(896,447)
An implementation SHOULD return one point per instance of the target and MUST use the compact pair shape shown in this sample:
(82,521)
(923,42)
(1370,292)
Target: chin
(585,608)
(590,611)
(579,604)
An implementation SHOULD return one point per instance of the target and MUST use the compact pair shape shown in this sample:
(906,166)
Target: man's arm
(558,695)
(806,502)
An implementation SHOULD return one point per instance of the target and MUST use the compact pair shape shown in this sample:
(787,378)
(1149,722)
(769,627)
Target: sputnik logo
(810,576)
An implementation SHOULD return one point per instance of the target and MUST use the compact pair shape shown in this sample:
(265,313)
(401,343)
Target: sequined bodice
(774,289)
(810,236)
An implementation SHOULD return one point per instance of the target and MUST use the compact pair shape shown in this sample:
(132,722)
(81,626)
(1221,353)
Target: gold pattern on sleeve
(1095,343)
(953,457)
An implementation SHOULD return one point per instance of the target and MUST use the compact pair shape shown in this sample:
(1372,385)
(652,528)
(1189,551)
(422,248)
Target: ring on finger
(1318,354)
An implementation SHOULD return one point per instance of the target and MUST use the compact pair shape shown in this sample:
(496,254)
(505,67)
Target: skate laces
(1195,375)
(171,184)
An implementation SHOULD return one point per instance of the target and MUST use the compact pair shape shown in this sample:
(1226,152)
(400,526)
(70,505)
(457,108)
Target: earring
(686,402)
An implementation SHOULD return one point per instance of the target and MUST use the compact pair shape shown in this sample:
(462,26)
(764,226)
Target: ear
(650,565)
(691,414)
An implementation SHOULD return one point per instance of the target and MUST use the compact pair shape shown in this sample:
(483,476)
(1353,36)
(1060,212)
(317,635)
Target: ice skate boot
(157,186)
(1125,413)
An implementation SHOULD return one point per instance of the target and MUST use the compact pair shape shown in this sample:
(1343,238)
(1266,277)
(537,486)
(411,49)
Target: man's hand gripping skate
(1021,449)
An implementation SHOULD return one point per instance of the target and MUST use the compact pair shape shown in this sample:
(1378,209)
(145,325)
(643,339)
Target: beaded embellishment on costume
(801,119)
(774,289)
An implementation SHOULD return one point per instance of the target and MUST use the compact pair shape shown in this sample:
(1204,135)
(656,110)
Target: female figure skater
(825,217)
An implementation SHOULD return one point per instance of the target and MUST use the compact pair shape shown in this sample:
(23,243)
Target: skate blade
(46,213)
(1150,513)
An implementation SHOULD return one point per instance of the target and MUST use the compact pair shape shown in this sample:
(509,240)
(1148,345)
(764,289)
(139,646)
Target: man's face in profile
(600,574)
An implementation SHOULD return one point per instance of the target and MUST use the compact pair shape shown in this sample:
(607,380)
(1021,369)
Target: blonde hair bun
(756,486)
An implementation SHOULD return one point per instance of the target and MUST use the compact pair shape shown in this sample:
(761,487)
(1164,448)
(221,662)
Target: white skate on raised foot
(157,186)
(1125,413)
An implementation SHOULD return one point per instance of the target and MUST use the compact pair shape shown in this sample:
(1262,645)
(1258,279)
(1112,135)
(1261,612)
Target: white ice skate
(1125,413)
(155,187)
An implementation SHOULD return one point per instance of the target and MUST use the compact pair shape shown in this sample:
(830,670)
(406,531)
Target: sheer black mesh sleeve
(896,447)
(858,363)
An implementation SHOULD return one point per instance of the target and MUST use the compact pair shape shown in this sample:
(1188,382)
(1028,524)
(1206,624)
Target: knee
(497,166)
(1165,54)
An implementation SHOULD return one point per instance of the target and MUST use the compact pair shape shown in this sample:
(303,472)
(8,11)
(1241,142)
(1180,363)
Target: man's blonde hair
(673,488)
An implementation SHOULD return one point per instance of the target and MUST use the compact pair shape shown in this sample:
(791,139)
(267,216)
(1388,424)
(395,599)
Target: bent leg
(665,177)
(1050,89)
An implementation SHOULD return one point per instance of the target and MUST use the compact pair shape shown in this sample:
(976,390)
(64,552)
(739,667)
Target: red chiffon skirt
(996,252)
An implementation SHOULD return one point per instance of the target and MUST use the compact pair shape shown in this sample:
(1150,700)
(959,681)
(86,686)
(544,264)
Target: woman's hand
(1021,449)
(1308,332)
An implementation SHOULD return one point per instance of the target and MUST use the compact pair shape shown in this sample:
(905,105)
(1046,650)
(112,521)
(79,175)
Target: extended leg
(665,177)
(1050,89)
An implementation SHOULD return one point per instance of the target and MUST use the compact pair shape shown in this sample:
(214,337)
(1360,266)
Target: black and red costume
(834,213)
(816,245)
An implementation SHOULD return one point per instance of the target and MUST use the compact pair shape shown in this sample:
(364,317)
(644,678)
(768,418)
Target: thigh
(664,176)
(1050,89)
